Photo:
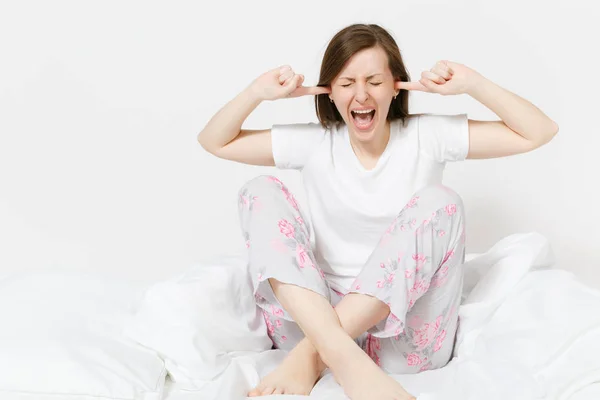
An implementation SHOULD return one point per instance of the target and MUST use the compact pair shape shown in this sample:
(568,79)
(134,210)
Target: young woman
(367,280)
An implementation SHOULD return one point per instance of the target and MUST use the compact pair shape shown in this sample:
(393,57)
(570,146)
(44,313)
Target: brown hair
(344,45)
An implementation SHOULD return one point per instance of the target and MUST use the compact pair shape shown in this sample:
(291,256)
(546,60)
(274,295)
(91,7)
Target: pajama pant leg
(278,243)
(416,269)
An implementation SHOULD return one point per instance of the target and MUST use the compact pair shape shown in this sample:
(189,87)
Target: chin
(364,136)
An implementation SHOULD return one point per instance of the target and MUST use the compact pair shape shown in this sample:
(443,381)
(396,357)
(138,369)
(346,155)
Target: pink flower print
(380,284)
(413,222)
(276,311)
(426,221)
(438,281)
(373,344)
(286,228)
(270,327)
(419,257)
(390,228)
(357,286)
(273,179)
(402,228)
(441,233)
(407,274)
(444,270)
(420,286)
(411,303)
(382,265)
(300,220)
(260,275)
(290,198)
(245,200)
(283,337)
(439,341)
(438,323)
(247,244)
(320,271)
(421,337)
(413,359)
(412,202)
(391,277)
(447,256)
(278,323)
(425,367)
(302,256)
(450,209)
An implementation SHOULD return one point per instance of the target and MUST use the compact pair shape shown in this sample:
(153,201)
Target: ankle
(335,351)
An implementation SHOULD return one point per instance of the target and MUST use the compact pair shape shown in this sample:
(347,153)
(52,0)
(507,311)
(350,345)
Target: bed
(528,330)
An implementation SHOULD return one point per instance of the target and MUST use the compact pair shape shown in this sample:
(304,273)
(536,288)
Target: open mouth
(363,119)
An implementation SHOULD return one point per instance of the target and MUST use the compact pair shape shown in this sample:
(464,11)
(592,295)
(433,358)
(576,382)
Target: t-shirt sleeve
(293,144)
(444,137)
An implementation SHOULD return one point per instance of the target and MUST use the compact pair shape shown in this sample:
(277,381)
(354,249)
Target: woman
(367,280)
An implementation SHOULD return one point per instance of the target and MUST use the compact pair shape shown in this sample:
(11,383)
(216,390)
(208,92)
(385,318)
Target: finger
(301,80)
(429,85)
(448,65)
(410,86)
(312,90)
(433,77)
(283,68)
(285,76)
(291,84)
(441,71)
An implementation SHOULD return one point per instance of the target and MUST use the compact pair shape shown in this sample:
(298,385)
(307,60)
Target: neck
(372,150)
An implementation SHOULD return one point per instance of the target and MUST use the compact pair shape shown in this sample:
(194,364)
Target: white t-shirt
(349,206)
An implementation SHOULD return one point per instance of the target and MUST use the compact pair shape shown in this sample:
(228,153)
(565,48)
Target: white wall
(101,103)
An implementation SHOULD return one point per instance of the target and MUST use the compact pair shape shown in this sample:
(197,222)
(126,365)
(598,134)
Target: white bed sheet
(528,331)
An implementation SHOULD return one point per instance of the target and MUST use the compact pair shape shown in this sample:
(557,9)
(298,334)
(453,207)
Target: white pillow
(199,320)
(61,337)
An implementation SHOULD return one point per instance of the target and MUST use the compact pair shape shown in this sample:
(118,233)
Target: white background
(101,103)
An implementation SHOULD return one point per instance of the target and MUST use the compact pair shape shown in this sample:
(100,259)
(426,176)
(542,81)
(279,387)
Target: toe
(255,392)
(278,391)
(267,391)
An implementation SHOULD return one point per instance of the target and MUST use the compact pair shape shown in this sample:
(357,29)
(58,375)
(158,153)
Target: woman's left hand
(445,78)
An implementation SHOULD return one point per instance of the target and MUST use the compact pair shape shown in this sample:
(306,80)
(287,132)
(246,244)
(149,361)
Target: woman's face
(365,84)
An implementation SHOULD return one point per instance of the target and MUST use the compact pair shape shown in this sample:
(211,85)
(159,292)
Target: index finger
(312,90)
(409,86)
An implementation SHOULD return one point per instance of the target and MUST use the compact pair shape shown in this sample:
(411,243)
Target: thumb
(291,84)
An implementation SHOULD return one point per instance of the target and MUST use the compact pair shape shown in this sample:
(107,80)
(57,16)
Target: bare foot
(362,379)
(297,374)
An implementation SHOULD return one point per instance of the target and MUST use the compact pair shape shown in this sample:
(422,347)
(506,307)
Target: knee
(441,196)
(260,185)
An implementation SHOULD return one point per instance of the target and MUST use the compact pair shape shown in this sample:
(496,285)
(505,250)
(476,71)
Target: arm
(523,126)
(224,137)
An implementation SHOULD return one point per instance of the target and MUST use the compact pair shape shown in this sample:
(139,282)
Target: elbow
(207,146)
(203,142)
(553,132)
(550,134)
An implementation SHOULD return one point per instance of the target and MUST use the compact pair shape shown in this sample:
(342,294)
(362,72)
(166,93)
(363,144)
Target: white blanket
(527,331)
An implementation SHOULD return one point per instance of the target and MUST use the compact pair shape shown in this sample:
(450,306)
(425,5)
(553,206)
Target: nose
(361,94)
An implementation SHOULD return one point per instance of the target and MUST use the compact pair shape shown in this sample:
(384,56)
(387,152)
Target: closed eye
(374,84)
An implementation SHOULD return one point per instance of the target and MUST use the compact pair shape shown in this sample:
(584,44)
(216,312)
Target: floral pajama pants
(416,269)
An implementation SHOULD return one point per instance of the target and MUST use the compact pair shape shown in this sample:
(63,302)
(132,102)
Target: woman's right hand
(283,82)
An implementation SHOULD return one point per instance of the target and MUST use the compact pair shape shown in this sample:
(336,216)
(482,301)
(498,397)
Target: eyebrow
(368,77)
